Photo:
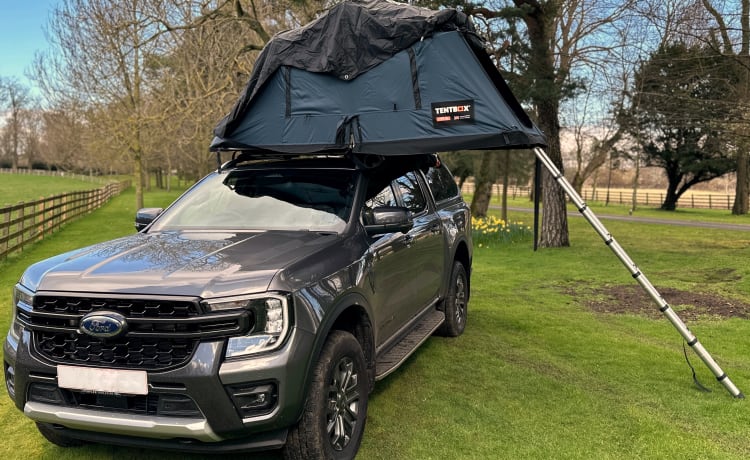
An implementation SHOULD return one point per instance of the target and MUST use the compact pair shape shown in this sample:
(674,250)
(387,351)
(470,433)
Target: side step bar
(610,241)
(397,354)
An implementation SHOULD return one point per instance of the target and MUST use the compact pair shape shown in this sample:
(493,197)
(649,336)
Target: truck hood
(204,264)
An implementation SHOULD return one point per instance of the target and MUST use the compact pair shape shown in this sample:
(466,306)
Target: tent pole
(609,240)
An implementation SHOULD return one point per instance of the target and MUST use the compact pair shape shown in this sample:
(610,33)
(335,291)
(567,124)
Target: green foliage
(680,116)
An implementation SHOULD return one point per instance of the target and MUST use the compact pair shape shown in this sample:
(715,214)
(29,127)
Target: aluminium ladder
(609,240)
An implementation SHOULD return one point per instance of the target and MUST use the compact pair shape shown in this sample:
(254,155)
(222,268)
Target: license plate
(102,380)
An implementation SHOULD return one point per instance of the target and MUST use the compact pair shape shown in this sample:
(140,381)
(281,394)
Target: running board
(397,354)
(664,308)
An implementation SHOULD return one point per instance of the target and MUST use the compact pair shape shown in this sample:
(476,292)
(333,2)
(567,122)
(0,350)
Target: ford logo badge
(103,324)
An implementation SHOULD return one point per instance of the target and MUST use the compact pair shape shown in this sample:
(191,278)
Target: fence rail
(695,200)
(44,172)
(26,222)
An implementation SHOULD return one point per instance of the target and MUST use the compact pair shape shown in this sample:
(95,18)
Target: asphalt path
(650,220)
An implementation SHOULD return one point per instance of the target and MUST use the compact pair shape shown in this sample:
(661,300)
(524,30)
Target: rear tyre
(56,436)
(336,408)
(456,302)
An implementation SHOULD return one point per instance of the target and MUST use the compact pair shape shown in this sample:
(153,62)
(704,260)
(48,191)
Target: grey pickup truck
(254,313)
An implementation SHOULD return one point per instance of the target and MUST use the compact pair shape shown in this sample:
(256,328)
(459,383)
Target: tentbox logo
(452,113)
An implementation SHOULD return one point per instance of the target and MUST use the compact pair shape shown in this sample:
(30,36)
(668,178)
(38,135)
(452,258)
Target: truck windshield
(265,199)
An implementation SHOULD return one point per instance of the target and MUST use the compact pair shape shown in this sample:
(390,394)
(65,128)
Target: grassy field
(683,214)
(15,188)
(538,373)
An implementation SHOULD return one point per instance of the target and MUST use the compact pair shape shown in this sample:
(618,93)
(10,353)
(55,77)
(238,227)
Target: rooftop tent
(377,77)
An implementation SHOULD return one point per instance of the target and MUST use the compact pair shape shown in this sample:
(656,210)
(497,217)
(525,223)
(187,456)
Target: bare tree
(62,141)
(100,48)
(14,97)
(730,36)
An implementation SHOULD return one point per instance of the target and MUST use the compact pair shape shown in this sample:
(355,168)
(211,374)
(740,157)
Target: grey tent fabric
(376,77)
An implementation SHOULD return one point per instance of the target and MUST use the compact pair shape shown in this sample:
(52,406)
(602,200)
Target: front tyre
(456,302)
(336,408)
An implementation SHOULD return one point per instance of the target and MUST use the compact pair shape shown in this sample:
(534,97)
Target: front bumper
(209,381)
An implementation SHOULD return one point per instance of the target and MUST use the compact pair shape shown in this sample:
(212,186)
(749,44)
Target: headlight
(22,299)
(271,322)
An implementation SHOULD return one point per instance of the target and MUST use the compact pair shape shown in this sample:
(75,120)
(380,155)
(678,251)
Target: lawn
(15,188)
(682,214)
(539,372)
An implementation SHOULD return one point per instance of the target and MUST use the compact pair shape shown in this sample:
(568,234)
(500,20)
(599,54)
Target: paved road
(650,220)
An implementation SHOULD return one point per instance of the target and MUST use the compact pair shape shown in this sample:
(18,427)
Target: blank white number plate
(102,380)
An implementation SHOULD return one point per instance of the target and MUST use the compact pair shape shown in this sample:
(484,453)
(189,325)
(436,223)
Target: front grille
(161,332)
(129,352)
(128,307)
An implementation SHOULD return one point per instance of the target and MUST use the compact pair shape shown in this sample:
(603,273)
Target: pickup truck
(254,313)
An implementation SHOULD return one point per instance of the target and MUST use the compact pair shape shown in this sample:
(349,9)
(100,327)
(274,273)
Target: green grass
(536,374)
(15,188)
(651,211)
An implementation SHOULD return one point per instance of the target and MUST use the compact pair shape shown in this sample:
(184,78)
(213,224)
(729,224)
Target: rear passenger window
(441,182)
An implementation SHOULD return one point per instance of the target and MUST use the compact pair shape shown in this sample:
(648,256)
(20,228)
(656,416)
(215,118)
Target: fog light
(177,406)
(252,400)
(44,393)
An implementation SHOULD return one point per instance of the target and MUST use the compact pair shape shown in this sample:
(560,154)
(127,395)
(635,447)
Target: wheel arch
(350,315)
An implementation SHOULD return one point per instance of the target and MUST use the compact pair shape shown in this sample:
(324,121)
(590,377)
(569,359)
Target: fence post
(21,226)
(5,230)
(710,205)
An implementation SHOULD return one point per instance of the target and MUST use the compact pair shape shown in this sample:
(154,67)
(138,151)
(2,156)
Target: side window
(441,182)
(411,193)
(384,198)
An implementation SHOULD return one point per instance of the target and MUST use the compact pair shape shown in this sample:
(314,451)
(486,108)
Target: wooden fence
(648,198)
(44,172)
(26,222)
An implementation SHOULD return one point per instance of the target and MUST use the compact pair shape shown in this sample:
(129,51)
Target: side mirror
(388,219)
(145,216)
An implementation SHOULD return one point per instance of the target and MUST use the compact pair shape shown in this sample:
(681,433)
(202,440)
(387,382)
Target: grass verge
(15,188)
(536,374)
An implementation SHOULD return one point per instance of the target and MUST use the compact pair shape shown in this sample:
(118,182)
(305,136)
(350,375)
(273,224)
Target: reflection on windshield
(316,200)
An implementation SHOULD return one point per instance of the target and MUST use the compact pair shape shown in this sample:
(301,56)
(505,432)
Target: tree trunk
(670,201)
(554,231)
(541,30)
(634,204)
(742,189)
(506,179)
(138,180)
(577,182)
(480,203)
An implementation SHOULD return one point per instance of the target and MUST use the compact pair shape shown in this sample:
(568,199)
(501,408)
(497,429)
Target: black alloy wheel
(456,302)
(335,412)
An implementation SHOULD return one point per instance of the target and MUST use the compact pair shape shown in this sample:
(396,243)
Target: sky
(22,34)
